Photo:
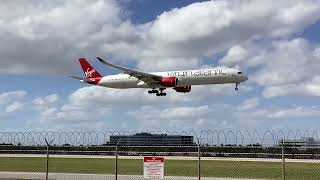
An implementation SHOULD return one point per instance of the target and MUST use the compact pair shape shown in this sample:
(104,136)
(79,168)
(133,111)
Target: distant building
(304,142)
(147,139)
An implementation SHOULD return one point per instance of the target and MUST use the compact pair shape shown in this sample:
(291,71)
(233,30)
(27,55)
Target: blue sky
(276,43)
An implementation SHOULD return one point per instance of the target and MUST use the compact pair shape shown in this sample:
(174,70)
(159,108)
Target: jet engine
(169,81)
(183,89)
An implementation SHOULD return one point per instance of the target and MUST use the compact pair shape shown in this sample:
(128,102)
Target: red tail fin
(88,70)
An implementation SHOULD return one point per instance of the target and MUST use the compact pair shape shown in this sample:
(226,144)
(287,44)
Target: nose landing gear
(237,84)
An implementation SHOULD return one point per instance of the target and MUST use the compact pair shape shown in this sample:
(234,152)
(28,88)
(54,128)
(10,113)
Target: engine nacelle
(183,89)
(169,81)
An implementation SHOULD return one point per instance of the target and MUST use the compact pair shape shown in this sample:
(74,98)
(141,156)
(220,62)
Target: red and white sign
(153,167)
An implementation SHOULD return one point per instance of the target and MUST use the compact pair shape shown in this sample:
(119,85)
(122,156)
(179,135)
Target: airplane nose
(246,78)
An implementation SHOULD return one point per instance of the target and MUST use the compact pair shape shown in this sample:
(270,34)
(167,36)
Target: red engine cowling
(183,89)
(169,81)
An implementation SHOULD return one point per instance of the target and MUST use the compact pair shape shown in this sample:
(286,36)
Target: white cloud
(15,106)
(235,55)
(9,97)
(182,113)
(46,104)
(289,69)
(46,101)
(50,36)
(307,88)
(203,29)
(287,62)
(249,104)
(282,68)
(104,105)
(276,112)
(100,108)
(171,117)
(297,112)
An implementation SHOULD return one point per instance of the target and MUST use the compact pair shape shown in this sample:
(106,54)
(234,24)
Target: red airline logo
(89,73)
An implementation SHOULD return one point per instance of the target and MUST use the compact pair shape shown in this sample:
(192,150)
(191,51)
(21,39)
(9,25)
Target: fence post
(199,160)
(116,163)
(283,162)
(47,159)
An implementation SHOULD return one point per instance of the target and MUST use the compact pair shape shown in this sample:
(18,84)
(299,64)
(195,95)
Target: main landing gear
(237,84)
(158,92)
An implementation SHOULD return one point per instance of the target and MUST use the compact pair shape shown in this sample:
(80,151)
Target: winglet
(101,60)
(107,63)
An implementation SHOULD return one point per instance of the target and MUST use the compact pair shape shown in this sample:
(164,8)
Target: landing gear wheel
(236,87)
(153,91)
(158,92)
(161,94)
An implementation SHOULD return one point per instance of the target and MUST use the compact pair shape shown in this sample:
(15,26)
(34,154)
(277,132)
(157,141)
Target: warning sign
(153,167)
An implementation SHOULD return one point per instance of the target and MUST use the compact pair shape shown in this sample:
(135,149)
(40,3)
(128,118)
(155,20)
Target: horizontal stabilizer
(84,80)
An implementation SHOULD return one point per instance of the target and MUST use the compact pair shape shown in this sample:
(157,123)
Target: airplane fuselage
(180,81)
(185,78)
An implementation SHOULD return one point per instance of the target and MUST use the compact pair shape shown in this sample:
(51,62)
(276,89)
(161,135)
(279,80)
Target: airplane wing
(146,77)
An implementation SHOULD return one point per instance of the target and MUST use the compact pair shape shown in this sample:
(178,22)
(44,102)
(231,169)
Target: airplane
(157,82)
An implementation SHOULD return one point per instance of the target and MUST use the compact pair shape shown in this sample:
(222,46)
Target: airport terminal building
(303,142)
(148,139)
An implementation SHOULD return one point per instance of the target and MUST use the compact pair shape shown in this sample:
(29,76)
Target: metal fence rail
(208,137)
(211,154)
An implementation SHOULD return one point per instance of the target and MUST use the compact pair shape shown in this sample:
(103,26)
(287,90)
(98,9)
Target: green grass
(270,170)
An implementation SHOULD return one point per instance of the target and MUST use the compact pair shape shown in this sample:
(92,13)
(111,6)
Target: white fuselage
(185,78)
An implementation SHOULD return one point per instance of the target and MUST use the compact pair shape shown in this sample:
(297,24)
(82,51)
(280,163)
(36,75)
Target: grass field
(235,169)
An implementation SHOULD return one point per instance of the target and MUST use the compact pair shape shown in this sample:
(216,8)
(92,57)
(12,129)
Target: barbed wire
(206,137)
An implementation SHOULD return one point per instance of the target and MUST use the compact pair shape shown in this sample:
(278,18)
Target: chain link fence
(207,154)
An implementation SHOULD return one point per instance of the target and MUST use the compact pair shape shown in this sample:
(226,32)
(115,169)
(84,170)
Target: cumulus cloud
(249,104)
(100,108)
(15,106)
(9,97)
(46,105)
(250,109)
(235,55)
(46,101)
(306,88)
(254,35)
(282,68)
(297,112)
(50,35)
(203,29)
(213,115)
(183,113)
(96,105)
(12,102)
(288,62)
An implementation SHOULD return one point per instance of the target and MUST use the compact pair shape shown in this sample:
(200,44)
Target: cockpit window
(239,72)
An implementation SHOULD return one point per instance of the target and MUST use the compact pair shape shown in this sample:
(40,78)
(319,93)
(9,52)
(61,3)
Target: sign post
(153,167)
